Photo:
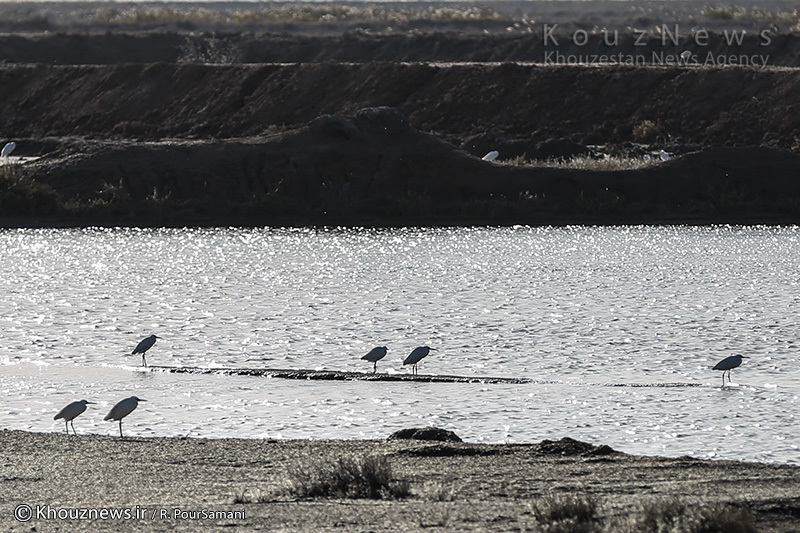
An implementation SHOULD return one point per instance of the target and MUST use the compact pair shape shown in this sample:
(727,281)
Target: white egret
(664,155)
(145,345)
(416,356)
(727,364)
(123,409)
(491,156)
(375,355)
(686,55)
(70,412)
(7,149)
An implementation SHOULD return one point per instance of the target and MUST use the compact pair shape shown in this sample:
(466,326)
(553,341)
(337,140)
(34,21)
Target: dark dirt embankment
(374,168)
(626,46)
(149,139)
(588,105)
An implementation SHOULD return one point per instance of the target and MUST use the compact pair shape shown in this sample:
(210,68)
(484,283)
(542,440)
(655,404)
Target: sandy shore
(453,486)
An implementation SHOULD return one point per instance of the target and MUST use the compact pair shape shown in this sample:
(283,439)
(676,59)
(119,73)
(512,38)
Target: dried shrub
(648,131)
(675,516)
(574,513)
(347,477)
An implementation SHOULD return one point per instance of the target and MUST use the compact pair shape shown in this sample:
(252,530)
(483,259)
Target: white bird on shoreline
(416,356)
(7,149)
(70,412)
(491,156)
(727,364)
(144,345)
(123,409)
(375,355)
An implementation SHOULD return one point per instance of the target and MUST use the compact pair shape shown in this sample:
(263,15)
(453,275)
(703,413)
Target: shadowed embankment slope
(670,106)
(167,144)
(374,168)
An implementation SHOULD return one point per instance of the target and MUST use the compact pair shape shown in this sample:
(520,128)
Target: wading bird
(7,149)
(375,355)
(416,356)
(727,364)
(145,345)
(491,156)
(123,409)
(70,412)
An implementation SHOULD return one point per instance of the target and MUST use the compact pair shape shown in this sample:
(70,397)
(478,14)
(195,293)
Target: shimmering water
(584,312)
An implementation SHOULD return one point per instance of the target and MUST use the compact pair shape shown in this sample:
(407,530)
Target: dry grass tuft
(348,477)
(606,163)
(675,516)
(565,513)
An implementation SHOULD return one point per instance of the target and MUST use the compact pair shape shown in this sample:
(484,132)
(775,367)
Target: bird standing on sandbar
(416,356)
(145,345)
(727,364)
(375,355)
(70,412)
(123,409)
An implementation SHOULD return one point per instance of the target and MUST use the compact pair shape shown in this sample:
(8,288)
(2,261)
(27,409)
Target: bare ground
(454,486)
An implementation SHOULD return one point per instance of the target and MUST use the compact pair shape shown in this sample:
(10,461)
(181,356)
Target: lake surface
(617,327)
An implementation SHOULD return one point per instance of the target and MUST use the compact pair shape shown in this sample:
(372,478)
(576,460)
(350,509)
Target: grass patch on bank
(347,477)
(606,163)
(567,513)
(21,195)
(675,516)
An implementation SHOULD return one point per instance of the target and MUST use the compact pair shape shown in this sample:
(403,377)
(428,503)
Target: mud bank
(452,486)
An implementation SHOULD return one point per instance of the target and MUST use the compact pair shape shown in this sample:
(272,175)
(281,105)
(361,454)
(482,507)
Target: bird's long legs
(120,428)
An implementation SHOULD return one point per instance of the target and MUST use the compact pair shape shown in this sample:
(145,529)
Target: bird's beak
(142,400)
(87,401)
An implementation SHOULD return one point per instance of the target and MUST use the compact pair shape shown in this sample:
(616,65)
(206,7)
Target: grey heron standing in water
(416,356)
(375,355)
(123,409)
(70,412)
(145,345)
(727,364)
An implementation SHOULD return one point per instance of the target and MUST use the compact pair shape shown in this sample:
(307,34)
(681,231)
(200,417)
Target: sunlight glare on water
(583,312)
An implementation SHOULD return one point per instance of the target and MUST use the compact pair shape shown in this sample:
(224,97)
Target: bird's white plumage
(491,156)
(7,149)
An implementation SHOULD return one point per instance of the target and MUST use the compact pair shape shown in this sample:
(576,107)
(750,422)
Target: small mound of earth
(429,433)
(571,447)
